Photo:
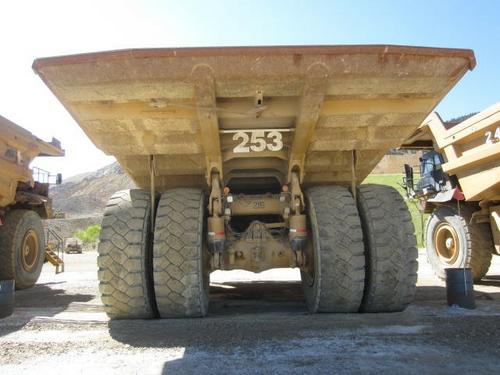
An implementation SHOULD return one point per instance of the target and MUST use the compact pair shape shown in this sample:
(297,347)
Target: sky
(32,29)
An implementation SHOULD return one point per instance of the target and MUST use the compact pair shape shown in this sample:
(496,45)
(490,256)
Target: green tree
(89,235)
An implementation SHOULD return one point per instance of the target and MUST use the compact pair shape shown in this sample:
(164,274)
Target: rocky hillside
(87,194)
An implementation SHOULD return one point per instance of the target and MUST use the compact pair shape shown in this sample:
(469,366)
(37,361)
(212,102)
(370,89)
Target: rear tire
(181,259)
(334,280)
(390,249)
(124,256)
(22,248)
(474,248)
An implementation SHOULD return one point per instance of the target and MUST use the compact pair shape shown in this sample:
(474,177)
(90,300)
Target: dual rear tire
(364,258)
(142,275)
(358,258)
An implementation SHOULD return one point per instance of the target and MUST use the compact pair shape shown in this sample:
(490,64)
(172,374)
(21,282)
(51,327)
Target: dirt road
(59,327)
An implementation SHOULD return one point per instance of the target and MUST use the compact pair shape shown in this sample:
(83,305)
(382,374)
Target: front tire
(453,242)
(181,259)
(333,279)
(22,248)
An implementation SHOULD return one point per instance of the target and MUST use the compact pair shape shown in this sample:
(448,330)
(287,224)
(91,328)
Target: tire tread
(122,256)
(341,250)
(390,249)
(178,254)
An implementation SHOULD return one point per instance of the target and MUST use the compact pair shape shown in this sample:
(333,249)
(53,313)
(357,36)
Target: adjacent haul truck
(459,187)
(252,158)
(24,202)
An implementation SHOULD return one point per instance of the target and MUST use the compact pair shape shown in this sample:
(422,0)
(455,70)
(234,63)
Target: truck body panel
(472,152)
(24,202)
(460,187)
(18,147)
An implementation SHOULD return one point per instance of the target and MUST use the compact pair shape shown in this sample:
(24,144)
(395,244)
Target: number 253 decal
(258,141)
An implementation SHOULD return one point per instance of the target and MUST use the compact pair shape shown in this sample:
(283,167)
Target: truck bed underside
(253,114)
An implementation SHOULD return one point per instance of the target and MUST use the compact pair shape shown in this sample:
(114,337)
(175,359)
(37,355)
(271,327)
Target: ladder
(54,250)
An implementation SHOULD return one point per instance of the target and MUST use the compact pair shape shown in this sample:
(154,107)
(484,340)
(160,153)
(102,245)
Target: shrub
(89,235)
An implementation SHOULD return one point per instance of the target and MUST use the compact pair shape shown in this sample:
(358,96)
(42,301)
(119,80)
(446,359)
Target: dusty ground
(59,328)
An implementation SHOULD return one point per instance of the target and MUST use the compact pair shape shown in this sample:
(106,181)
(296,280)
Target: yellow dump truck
(459,187)
(24,202)
(251,158)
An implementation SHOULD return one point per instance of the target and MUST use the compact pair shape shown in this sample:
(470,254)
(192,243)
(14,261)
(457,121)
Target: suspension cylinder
(298,232)
(216,234)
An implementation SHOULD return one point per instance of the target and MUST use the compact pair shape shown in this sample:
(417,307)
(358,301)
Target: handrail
(59,242)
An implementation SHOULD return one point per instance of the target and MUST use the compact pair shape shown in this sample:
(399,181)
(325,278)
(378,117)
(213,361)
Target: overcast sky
(31,29)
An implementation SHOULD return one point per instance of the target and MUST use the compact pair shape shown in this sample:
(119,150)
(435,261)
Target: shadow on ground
(234,298)
(235,306)
(490,280)
(44,299)
(253,315)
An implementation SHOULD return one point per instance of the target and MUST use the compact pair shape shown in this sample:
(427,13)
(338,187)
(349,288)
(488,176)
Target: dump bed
(472,151)
(252,113)
(18,147)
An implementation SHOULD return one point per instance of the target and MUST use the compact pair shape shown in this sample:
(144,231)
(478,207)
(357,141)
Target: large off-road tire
(124,256)
(333,279)
(390,249)
(181,259)
(452,241)
(22,247)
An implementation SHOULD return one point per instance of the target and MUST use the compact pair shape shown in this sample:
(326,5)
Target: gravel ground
(59,327)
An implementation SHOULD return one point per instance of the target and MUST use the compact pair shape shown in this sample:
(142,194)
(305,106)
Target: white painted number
(258,141)
(241,147)
(493,138)
(277,142)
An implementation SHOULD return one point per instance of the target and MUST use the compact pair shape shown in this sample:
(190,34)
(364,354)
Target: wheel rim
(29,250)
(446,243)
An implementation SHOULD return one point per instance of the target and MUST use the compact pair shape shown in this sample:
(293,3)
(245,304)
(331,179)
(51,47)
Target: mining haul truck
(24,202)
(251,158)
(459,187)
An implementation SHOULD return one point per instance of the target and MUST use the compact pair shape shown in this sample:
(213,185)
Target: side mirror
(59,179)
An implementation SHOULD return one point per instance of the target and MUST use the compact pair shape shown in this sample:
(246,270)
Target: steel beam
(205,99)
(315,87)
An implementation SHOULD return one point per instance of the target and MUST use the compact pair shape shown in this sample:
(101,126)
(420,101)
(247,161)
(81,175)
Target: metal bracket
(152,173)
(354,160)
(297,198)
(204,95)
(215,207)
